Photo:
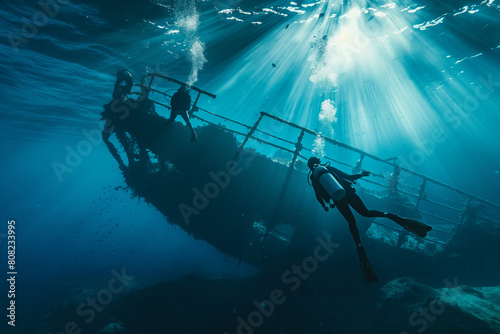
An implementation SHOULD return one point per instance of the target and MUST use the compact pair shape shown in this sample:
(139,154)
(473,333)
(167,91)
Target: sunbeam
(390,81)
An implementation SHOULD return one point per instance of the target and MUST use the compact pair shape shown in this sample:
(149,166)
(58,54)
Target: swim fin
(415,227)
(366,267)
(411,225)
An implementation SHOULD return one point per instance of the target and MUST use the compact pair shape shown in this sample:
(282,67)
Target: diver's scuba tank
(331,185)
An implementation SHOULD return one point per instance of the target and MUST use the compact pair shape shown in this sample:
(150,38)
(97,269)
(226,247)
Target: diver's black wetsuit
(350,199)
(180,105)
(125,118)
(180,102)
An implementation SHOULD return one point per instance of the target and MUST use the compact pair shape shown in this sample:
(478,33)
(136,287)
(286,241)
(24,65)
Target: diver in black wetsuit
(180,104)
(352,199)
(115,113)
(123,116)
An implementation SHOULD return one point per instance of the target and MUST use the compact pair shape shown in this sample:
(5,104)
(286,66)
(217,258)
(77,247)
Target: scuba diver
(115,114)
(329,183)
(124,116)
(180,104)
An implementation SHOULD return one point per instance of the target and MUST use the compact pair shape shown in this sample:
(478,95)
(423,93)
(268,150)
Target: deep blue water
(390,78)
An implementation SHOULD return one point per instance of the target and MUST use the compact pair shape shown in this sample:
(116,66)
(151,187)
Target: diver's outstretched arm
(320,200)
(350,177)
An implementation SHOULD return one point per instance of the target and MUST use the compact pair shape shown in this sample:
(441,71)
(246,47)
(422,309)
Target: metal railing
(463,206)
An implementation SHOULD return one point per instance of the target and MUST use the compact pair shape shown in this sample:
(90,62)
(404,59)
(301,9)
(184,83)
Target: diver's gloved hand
(365,173)
(326,208)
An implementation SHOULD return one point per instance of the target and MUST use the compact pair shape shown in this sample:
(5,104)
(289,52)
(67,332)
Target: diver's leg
(127,145)
(167,122)
(357,204)
(185,116)
(344,209)
(112,149)
(366,267)
(172,117)
(411,225)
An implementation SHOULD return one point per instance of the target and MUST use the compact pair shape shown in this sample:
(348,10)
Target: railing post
(250,133)
(357,168)
(298,147)
(421,193)
(194,108)
(393,182)
(466,211)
